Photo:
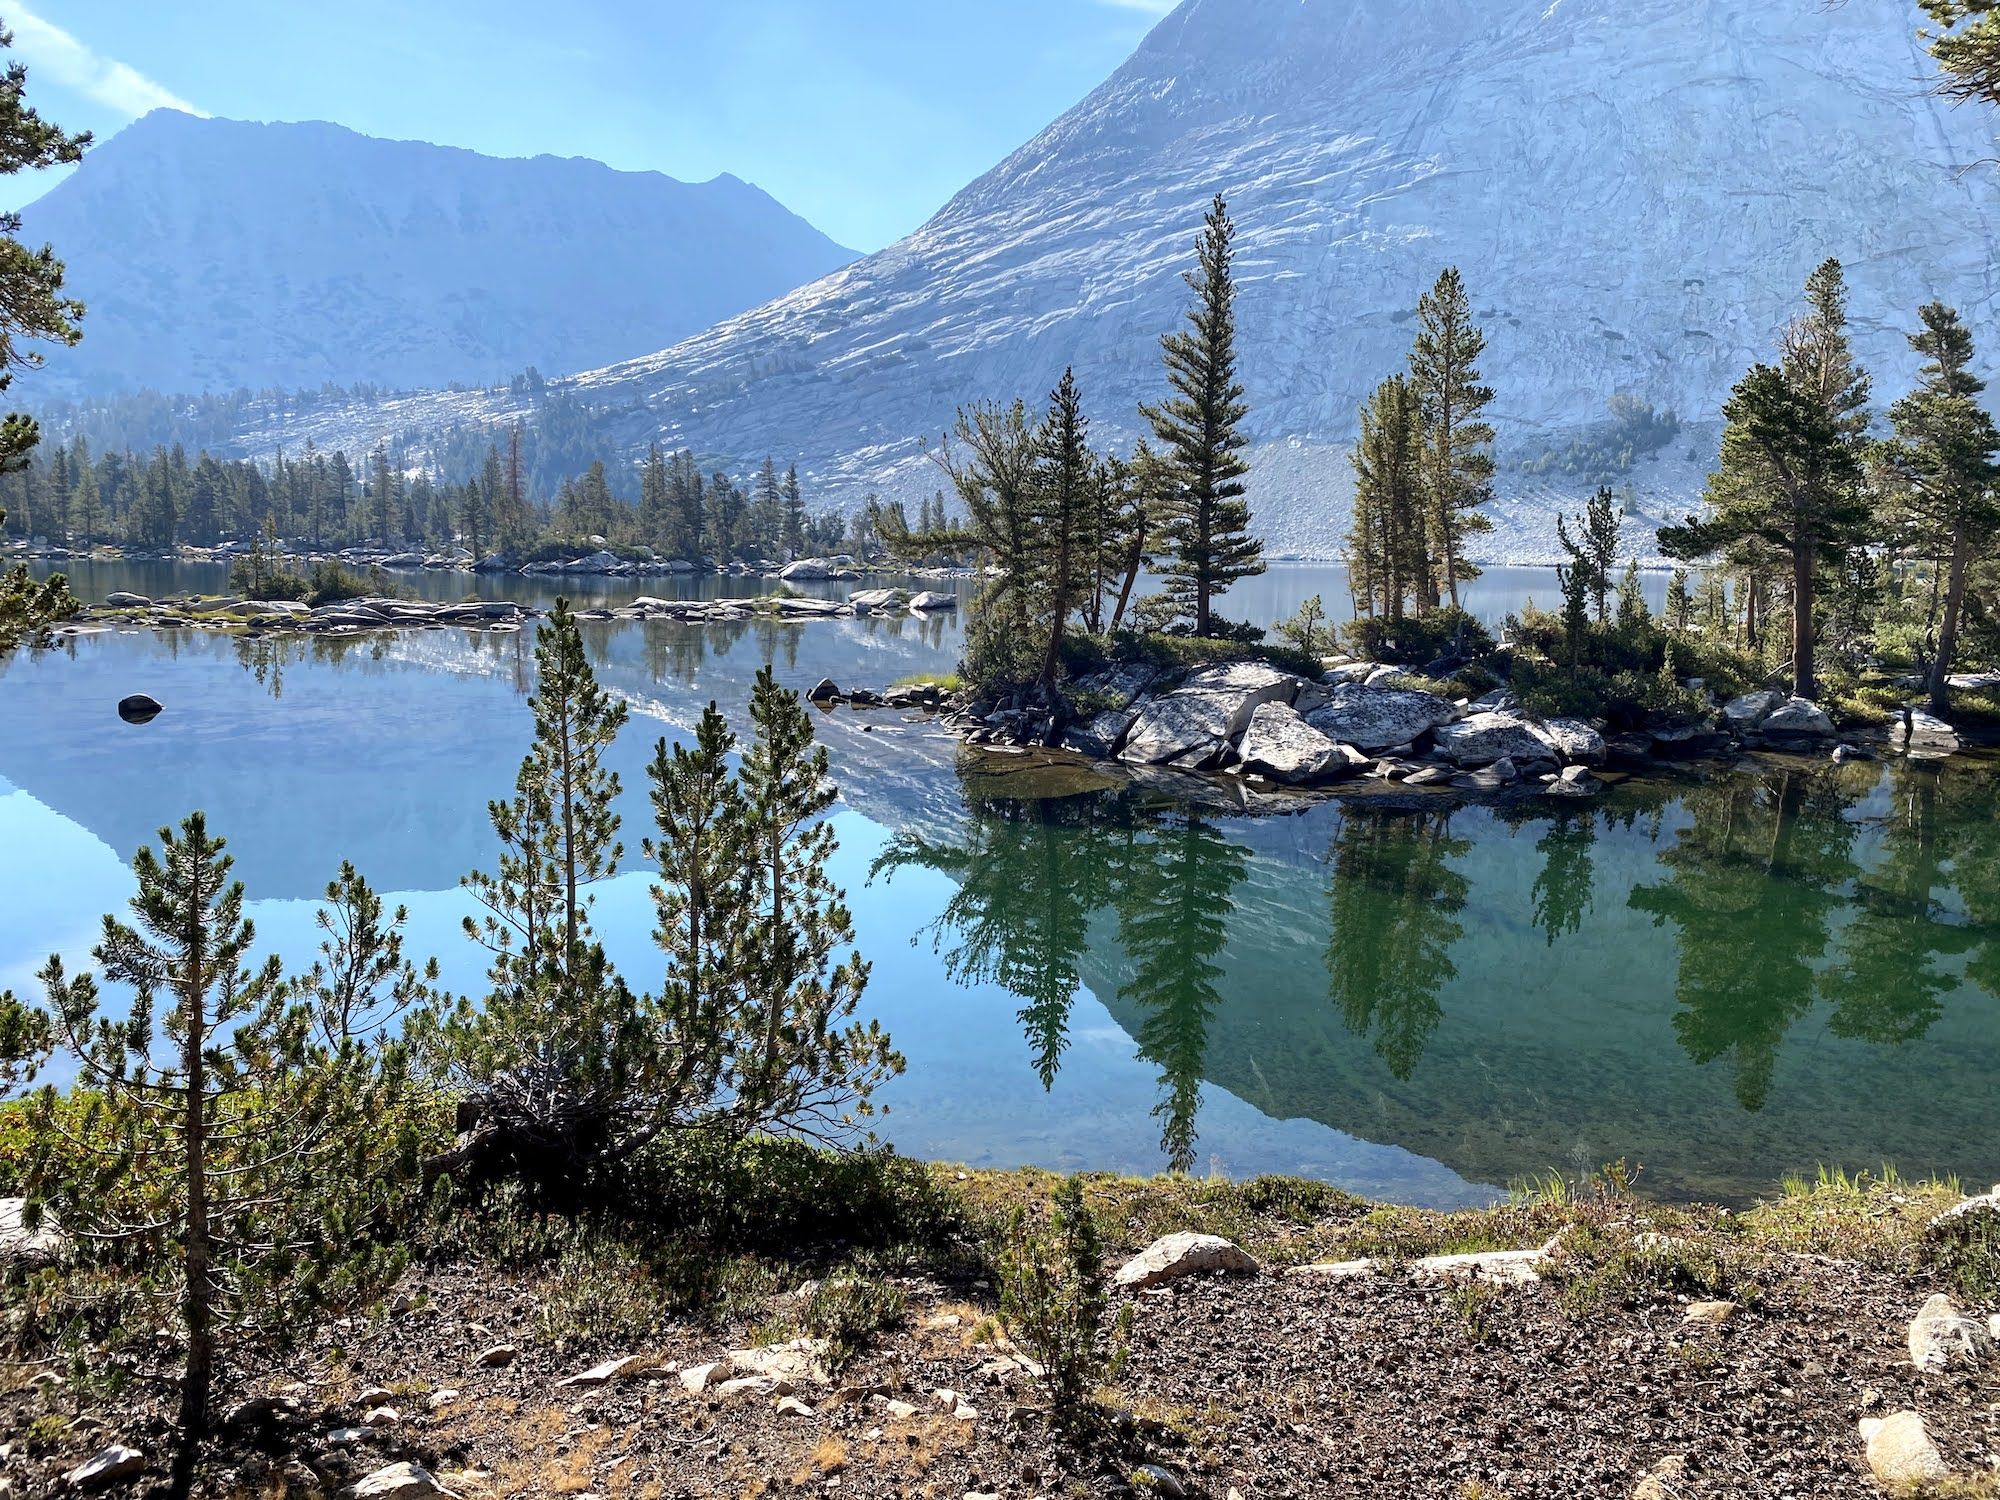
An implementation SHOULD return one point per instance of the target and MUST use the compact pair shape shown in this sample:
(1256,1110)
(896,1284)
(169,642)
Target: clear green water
(1724,982)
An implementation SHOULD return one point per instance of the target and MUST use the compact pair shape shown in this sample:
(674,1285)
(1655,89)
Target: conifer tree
(806,1061)
(795,515)
(1206,528)
(1458,459)
(1966,47)
(1680,603)
(1062,501)
(549,1054)
(1632,611)
(1942,476)
(767,507)
(240,1136)
(1789,484)
(1148,483)
(700,904)
(992,459)
(32,307)
(1386,548)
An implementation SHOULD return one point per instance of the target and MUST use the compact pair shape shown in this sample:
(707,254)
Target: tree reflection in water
(1874,892)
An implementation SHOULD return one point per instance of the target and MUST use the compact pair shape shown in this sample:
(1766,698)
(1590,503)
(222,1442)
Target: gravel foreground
(1653,1355)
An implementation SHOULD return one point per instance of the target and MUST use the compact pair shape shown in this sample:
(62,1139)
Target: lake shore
(1608,1346)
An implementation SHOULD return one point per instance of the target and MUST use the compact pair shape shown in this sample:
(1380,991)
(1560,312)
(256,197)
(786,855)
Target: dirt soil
(1264,1385)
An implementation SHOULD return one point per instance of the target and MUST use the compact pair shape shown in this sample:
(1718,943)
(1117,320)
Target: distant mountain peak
(1634,189)
(214,254)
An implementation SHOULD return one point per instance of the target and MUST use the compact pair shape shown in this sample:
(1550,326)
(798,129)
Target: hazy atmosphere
(1082,748)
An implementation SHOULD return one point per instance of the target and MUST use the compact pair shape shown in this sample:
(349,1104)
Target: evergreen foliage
(568,1072)
(241,1134)
(1056,1300)
(1966,47)
(1205,525)
(1939,476)
(1388,547)
(1789,490)
(32,307)
(1458,459)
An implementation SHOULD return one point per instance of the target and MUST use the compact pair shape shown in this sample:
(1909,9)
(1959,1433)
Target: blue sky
(863,115)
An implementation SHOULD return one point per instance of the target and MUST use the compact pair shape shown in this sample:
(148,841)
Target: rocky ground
(1619,1351)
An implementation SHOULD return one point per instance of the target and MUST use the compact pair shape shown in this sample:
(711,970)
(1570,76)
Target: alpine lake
(1719,978)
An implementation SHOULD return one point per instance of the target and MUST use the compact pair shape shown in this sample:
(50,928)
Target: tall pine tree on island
(1063,493)
(1940,478)
(1458,458)
(1790,478)
(1386,549)
(1206,528)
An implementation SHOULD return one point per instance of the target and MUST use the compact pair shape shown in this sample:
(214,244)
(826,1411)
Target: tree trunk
(1131,579)
(197,1310)
(1947,640)
(1804,685)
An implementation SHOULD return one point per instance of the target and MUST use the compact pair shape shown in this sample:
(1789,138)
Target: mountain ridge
(216,254)
(1635,192)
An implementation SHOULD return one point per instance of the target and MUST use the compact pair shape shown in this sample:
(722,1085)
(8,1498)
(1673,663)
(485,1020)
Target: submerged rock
(139,709)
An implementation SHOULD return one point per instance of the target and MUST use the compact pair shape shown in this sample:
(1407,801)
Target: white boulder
(1178,1255)
(1378,719)
(1485,738)
(1281,745)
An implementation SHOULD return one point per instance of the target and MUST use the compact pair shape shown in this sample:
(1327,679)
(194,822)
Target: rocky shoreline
(1262,730)
(358,616)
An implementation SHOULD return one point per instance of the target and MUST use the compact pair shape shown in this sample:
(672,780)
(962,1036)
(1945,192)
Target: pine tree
(1680,603)
(1966,47)
(1790,481)
(32,306)
(807,1062)
(700,904)
(767,507)
(1633,615)
(1062,499)
(547,1055)
(1206,528)
(475,518)
(1458,459)
(1601,535)
(795,515)
(238,1137)
(1941,476)
(992,459)
(86,511)
(1387,548)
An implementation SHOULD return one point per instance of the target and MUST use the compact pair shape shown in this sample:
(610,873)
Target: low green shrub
(1055,1298)
(1417,640)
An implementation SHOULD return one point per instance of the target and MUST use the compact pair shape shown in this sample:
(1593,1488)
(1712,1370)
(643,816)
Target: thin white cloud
(63,59)
(1150,7)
